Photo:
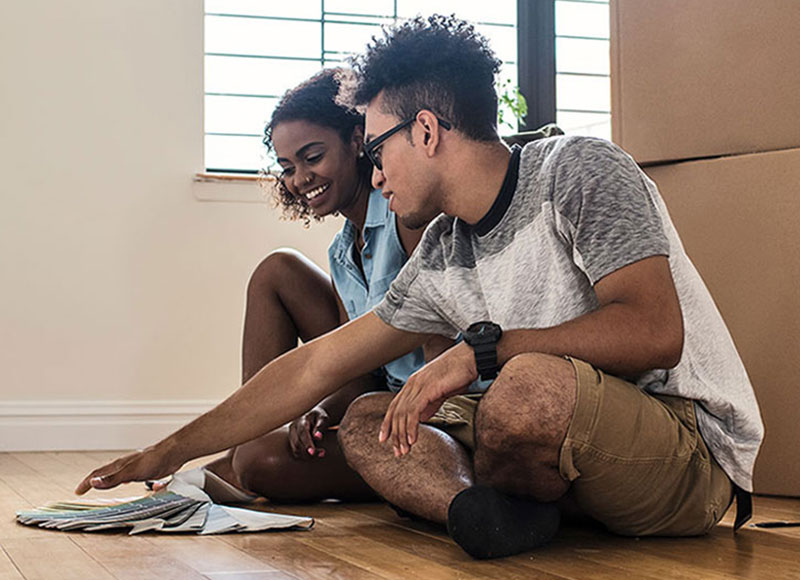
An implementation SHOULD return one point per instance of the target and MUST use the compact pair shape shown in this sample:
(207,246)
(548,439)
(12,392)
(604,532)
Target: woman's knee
(262,460)
(277,266)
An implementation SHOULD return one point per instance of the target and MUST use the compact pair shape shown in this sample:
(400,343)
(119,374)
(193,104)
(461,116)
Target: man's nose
(378,178)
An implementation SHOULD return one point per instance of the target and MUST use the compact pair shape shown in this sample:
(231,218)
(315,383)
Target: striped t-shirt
(571,211)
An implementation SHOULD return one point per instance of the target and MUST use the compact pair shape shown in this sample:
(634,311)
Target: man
(616,379)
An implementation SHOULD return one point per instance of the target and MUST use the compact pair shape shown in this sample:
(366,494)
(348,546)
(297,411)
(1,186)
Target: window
(255,50)
(583,88)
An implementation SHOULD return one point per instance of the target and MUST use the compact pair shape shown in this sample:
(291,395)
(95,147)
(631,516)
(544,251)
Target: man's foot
(490,524)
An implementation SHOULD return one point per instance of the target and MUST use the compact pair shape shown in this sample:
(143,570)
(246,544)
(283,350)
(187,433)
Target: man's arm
(282,390)
(637,327)
(307,431)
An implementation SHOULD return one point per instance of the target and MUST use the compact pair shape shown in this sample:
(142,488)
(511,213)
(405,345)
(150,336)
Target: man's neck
(474,179)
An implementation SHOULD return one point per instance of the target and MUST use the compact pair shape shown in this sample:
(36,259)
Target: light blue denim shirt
(382,258)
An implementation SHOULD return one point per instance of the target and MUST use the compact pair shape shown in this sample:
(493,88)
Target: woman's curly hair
(439,63)
(314,100)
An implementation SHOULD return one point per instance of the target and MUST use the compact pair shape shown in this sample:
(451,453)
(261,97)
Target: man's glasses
(372,149)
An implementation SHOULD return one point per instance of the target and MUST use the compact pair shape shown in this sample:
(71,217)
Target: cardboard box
(739,219)
(693,79)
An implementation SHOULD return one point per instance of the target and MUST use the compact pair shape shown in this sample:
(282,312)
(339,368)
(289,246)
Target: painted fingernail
(317,435)
(321,453)
(311,451)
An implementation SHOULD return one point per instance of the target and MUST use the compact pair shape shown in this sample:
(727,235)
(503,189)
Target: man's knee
(358,430)
(530,403)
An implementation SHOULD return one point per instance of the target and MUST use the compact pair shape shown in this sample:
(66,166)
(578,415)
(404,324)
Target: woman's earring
(361,154)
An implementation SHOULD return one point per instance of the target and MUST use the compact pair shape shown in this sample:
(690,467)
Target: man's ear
(430,127)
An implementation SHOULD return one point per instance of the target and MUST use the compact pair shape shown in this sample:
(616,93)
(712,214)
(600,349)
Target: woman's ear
(357,139)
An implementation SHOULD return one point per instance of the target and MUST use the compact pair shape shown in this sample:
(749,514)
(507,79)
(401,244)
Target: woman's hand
(306,432)
(151,463)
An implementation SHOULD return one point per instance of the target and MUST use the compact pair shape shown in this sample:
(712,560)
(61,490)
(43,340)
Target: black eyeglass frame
(369,148)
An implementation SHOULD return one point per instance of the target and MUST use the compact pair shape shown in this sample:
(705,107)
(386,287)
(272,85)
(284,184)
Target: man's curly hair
(439,63)
(314,100)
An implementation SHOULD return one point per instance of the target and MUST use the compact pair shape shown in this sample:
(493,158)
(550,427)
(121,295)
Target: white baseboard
(92,425)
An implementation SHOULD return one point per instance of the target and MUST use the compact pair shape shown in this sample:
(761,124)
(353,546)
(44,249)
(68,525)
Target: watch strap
(486,360)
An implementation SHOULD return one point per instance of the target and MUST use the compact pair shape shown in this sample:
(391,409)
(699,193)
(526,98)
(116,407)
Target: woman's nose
(302,179)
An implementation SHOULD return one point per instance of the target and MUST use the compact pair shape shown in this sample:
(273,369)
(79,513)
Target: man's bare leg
(521,424)
(289,298)
(425,481)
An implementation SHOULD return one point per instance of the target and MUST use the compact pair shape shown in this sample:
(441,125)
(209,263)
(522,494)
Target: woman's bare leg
(289,298)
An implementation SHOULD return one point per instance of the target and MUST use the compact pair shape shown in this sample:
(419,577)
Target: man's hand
(150,463)
(449,374)
(306,431)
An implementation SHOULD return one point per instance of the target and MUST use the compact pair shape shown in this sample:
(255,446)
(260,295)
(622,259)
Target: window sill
(227,187)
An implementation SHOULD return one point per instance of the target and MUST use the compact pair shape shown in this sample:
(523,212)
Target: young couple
(608,374)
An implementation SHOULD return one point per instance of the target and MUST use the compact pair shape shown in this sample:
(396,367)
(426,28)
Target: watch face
(483,333)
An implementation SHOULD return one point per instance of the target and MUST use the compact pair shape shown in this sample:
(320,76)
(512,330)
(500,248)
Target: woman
(318,144)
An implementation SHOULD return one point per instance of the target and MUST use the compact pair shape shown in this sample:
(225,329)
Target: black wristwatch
(483,337)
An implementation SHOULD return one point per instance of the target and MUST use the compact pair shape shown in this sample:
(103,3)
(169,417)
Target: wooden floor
(359,541)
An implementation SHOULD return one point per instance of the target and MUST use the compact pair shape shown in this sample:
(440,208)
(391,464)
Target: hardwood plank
(10,502)
(359,541)
(423,542)
(50,557)
(770,508)
(538,563)
(7,569)
(129,557)
(11,466)
(382,560)
(284,552)
(625,555)
(571,546)
(717,556)
(35,487)
(58,470)
(208,555)
(45,477)
(250,576)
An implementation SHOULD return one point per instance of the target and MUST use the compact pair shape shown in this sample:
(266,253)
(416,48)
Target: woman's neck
(357,211)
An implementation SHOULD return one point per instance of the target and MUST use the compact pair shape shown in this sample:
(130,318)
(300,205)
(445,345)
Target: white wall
(122,292)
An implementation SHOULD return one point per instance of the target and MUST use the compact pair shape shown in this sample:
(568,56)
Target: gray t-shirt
(581,209)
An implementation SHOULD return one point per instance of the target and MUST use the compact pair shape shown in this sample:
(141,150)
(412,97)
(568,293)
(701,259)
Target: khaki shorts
(636,462)
(456,417)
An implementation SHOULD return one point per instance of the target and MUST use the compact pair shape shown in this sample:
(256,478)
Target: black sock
(489,524)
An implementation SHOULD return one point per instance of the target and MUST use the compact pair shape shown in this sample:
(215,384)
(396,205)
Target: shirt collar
(377,210)
(378,215)
(503,200)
